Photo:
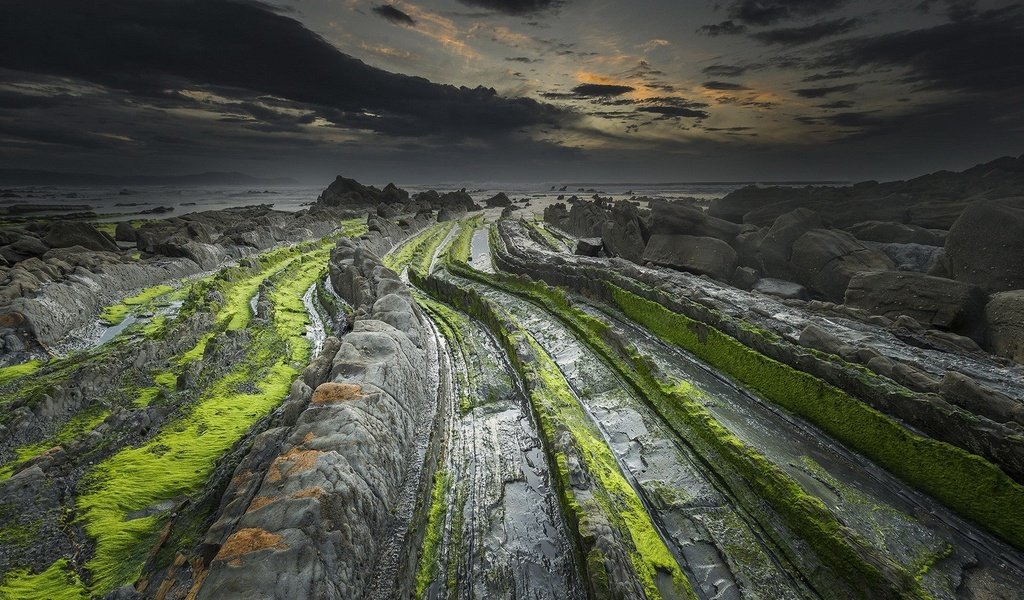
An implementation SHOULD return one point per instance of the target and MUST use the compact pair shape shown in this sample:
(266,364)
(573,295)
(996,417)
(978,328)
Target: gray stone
(986,246)
(826,259)
(943,303)
(781,288)
(1004,316)
(700,255)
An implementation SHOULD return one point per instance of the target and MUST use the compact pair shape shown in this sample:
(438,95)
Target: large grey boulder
(776,246)
(679,219)
(64,234)
(986,246)
(826,259)
(624,234)
(23,248)
(700,255)
(943,303)
(1004,316)
(911,257)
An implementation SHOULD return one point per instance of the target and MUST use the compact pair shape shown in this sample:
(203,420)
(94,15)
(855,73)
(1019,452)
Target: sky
(512,90)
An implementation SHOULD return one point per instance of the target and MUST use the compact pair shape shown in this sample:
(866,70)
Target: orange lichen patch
(300,460)
(309,437)
(12,319)
(248,540)
(310,492)
(241,478)
(259,502)
(332,393)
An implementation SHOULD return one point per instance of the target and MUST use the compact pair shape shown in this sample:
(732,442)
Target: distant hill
(31,177)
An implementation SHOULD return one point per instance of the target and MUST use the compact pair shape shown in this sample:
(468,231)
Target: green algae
(13,372)
(559,414)
(115,313)
(847,554)
(179,459)
(965,482)
(418,251)
(429,568)
(57,582)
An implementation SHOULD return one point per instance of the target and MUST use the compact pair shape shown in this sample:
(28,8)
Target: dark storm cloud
(768,12)
(18,101)
(725,70)
(837,104)
(147,48)
(795,36)
(821,92)
(522,59)
(723,85)
(833,74)
(723,28)
(394,15)
(979,53)
(600,89)
(513,7)
(675,111)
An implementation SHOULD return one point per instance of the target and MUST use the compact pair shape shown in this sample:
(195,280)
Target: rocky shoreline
(753,401)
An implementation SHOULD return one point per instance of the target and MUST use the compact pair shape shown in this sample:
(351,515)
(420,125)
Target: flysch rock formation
(76,269)
(310,506)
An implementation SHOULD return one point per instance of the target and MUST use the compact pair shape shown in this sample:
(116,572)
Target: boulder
(961,390)
(787,290)
(124,232)
(942,303)
(588,247)
(826,259)
(744,278)
(24,248)
(701,255)
(585,219)
(679,219)
(1004,317)
(776,247)
(911,257)
(894,233)
(453,213)
(499,200)
(623,235)
(986,246)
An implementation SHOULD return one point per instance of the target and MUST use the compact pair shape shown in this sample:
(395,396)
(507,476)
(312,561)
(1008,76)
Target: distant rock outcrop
(931,201)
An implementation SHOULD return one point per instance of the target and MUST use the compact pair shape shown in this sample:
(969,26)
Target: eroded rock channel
(429,400)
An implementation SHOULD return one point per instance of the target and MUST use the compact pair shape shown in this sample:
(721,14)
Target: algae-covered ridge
(849,556)
(180,457)
(559,413)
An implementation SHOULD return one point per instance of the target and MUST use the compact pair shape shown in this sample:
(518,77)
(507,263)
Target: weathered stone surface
(23,248)
(781,288)
(625,234)
(986,245)
(589,246)
(916,258)
(776,246)
(64,234)
(943,303)
(964,391)
(672,218)
(894,233)
(826,259)
(499,200)
(1004,316)
(313,523)
(701,255)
